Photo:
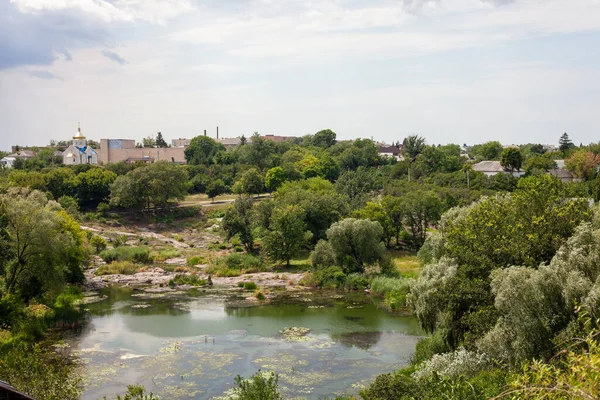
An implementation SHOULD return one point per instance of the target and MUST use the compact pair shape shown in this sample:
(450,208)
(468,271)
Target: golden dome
(78,135)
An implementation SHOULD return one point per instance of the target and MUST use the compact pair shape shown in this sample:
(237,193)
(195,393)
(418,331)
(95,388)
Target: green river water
(192,345)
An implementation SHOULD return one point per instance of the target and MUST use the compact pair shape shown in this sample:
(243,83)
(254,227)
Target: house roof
(389,149)
(23,154)
(561,173)
(488,166)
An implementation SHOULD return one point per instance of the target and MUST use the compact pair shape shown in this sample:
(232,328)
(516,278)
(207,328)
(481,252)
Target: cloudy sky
(461,71)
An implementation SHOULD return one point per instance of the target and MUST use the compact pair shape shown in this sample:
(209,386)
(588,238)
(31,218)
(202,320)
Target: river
(191,345)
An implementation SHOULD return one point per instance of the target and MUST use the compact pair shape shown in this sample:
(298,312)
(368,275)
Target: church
(79,152)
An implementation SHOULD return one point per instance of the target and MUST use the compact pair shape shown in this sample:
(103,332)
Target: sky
(453,71)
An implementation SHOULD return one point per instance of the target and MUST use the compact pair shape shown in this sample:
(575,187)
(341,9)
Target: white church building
(79,152)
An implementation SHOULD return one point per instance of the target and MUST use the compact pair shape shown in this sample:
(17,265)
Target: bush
(120,240)
(195,260)
(248,285)
(355,282)
(332,277)
(139,255)
(186,279)
(166,254)
(322,255)
(394,290)
(98,243)
(118,267)
(259,294)
(235,265)
(66,310)
(260,386)
(428,347)
(460,362)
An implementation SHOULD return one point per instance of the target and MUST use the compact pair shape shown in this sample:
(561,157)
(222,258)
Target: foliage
(583,164)
(356,243)
(235,265)
(149,186)
(187,279)
(251,182)
(322,255)
(139,255)
(286,235)
(413,146)
(574,374)
(420,210)
(274,178)
(202,150)
(118,267)
(460,362)
(248,285)
(238,221)
(324,138)
(98,243)
(511,159)
(216,188)
(43,247)
(160,141)
(136,392)
(565,143)
(41,373)
(488,151)
(260,386)
(93,186)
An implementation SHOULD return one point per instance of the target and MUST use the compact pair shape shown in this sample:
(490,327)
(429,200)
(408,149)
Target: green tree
(93,186)
(539,164)
(149,142)
(421,209)
(215,188)
(160,141)
(153,185)
(356,243)
(511,159)
(251,182)
(61,182)
(375,212)
(238,221)
(43,245)
(274,178)
(583,164)
(287,233)
(413,146)
(260,386)
(489,150)
(202,150)
(325,138)
(564,143)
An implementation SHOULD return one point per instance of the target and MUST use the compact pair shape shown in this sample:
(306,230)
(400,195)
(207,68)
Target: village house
(391,151)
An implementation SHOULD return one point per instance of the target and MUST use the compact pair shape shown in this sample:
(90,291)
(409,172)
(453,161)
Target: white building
(79,152)
(7,162)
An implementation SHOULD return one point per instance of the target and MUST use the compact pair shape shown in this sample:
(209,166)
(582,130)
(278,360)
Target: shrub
(260,386)
(195,260)
(428,347)
(120,240)
(186,279)
(259,294)
(249,285)
(329,277)
(166,254)
(98,243)
(65,309)
(177,237)
(134,254)
(355,282)
(238,249)
(460,362)
(118,267)
(235,264)
(322,255)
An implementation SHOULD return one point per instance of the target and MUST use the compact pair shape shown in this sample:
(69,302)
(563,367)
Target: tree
(61,182)
(274,178)
(565,143)
(43,245)
(489,150)
(238,221)
(251,182)
(149,142)
(215,188)
(152,185)
(356,243)
(287,233)
(583,164)
(421,209)
(160,141)
(93,186)
(260,386)
(511,159)
(539,164)
(413,146)
(202,150)
(325,138)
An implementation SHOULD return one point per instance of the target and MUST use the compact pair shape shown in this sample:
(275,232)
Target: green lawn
(407,263)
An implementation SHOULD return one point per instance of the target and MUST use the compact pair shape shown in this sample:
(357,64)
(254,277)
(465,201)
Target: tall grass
(139,255)
(118,267)
(235,265)
(394,290)
(166,254)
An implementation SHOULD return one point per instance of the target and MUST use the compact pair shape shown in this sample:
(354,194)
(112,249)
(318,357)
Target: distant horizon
(461,71)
